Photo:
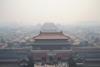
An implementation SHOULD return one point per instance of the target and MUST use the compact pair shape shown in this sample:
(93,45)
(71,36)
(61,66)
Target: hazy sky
(36,11)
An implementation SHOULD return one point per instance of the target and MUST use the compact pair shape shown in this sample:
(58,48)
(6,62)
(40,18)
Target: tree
(31,61)
(71,62)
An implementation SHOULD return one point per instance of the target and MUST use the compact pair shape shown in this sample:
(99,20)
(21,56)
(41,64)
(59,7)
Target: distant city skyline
(27,12)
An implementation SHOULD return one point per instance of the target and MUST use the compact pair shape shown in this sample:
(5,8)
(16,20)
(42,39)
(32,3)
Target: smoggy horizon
(27,12)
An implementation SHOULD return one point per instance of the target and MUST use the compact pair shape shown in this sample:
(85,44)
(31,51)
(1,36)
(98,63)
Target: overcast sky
(58,11)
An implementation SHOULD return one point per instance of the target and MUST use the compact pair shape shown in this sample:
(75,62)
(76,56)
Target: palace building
(51,41)
(51,47)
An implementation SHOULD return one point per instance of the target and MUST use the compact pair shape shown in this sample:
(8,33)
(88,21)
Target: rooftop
(52,35)
(49,27)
